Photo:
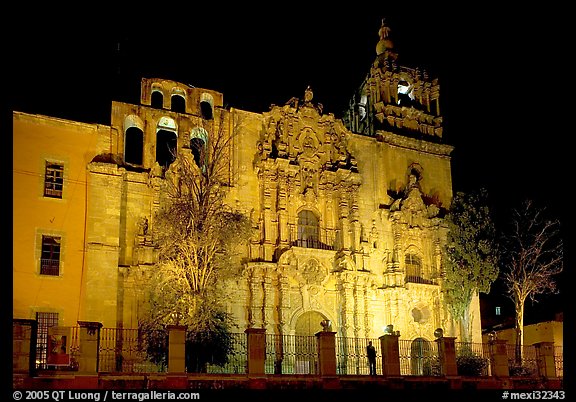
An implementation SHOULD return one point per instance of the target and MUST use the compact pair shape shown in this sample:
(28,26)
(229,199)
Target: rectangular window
(45,321)
(53,180)
(50,256)
(498,310)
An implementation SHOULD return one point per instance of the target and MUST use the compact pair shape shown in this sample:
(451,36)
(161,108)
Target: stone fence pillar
(498,358)
(176,348)
(89,342)
(447,355)
(545,359)
(256,350)
(390,354)
(326,353)
(24,335)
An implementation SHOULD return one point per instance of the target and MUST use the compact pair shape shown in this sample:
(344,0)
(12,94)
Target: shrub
(470,364)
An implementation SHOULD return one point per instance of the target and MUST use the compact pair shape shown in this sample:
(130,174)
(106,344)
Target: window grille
(53,180)
(45,321)
(50,256)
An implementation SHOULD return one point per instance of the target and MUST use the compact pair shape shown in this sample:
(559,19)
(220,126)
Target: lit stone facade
(348,212)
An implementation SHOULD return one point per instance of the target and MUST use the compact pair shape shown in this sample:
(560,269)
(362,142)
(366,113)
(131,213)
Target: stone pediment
(300,133)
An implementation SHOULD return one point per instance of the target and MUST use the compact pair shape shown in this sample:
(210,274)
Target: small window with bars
(53,180)
(50,256)
(45,321)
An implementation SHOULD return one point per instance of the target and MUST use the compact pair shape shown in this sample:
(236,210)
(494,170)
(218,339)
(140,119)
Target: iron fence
(130,351)
(524,365)
(352,356)
(58,348)
(473,359)
(291,354)
(559,360)
(418,357)
(127,351)
(237,358)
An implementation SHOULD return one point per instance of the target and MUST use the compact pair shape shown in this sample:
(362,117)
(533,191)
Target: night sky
(498,70)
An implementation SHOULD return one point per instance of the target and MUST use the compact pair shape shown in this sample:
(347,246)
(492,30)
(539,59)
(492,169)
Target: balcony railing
(49,267)
(325,239)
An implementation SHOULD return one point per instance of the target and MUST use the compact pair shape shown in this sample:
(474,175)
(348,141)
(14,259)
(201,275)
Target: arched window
(206,106)
(197,146)
(133,140)
(133,145)
(413,266)
(157,100)
(198,142)
(308,229)
(405,93)
(166,142)
(178,103)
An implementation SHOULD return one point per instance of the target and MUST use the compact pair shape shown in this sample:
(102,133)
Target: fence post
(24,335)
(326,353)
(256,350)
(390,354)
(447,355)
(499,358)
(545,359)
(176,348)
(89,340)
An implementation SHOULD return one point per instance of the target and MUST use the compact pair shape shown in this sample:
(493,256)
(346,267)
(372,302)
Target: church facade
(348,213)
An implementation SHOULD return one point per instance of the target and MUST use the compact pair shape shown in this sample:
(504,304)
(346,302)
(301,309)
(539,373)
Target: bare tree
(197,235)
(533,256)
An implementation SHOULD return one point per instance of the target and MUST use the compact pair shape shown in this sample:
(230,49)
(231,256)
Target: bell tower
(395,98)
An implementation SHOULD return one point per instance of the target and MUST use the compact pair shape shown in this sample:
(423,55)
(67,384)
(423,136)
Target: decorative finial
(384,29)
(385,45)
(308,94)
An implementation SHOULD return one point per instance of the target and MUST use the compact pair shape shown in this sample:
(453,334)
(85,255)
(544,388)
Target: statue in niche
(143,226)
(309,146)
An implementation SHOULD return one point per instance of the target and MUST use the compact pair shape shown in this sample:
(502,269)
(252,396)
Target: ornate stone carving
(312,272)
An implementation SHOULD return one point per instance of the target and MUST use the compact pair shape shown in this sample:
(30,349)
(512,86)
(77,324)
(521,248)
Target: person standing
(371,353)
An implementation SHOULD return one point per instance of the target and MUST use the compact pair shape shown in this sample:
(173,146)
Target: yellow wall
(37,139)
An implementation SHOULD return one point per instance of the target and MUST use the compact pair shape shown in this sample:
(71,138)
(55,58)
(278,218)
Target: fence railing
(352,356)
(237,358)
(291,354)
(472,358)
(132,351)
(418,357)
(126,350)
(527,365)
(559,360)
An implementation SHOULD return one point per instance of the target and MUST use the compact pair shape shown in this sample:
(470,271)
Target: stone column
(24,335)
(176,348)
(326,353)
(257,297)
(545,359)
(390,354)
(499,358)
(447,355)
(346,290)
(360,330)
(89,347)
(256,350)
(268,304)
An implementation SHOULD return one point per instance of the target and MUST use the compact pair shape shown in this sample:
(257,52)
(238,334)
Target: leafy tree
(470,255)
(198,238)
(533,256)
